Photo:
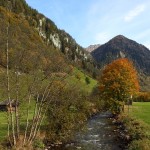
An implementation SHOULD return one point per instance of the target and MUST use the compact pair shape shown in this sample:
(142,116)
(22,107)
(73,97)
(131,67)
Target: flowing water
(100,135)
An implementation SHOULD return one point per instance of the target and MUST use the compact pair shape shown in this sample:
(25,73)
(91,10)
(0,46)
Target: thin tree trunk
(36,112)
(8,91)
(16,105)
(34,117)
(27,120)
(8,127)
(8,112)
(40,116)
(38,126)
(37,116)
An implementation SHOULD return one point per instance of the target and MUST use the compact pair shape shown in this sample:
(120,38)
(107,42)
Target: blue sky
(97,21)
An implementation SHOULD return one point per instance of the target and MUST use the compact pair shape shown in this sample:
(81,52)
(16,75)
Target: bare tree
(11,122)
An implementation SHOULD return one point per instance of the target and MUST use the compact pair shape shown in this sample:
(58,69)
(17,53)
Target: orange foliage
(142,97)
(119,80)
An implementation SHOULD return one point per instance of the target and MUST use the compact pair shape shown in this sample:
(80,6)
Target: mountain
(92,48)
(120,47)
(47,31)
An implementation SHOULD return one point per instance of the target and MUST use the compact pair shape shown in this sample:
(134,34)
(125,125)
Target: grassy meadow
(78,79)
(141,111)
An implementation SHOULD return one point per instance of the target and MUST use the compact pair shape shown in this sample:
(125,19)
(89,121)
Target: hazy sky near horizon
(97,21)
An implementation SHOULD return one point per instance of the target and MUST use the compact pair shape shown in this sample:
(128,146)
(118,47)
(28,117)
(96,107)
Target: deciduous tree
(118,83)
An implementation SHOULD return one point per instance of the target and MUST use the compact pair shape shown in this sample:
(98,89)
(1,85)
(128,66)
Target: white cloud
(135,12)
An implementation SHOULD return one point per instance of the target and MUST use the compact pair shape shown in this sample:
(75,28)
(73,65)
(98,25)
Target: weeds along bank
(134,133)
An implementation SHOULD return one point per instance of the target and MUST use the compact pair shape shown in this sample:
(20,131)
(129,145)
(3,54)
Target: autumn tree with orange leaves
(118,83)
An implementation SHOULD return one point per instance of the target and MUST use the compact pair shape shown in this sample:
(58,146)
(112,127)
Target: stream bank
(101,134)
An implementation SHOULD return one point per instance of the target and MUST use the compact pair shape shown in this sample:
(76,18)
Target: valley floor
(140,111)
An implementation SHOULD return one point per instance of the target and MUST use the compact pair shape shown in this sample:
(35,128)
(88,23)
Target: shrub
(78,76)
(38,144)
(67,112)
(142,97)
(143,144)
(137,131)
(87,80)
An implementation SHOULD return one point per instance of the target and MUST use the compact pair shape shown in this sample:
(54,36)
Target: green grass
(3,122)
(3,118)
(77,79)
(141,111)
(3,125)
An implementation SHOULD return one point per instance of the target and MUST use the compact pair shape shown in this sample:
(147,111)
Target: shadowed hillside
(120,47)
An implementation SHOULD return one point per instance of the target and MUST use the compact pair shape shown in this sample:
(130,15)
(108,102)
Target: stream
(99,135)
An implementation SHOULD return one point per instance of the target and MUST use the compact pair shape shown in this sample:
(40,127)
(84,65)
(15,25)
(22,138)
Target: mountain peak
(119,37)
(119,47)
(92,47)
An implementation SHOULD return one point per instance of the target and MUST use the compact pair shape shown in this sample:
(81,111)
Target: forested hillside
(50,34)
(26,48)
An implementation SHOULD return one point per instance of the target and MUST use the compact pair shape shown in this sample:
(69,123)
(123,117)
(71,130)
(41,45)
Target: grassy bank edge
(133,133)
